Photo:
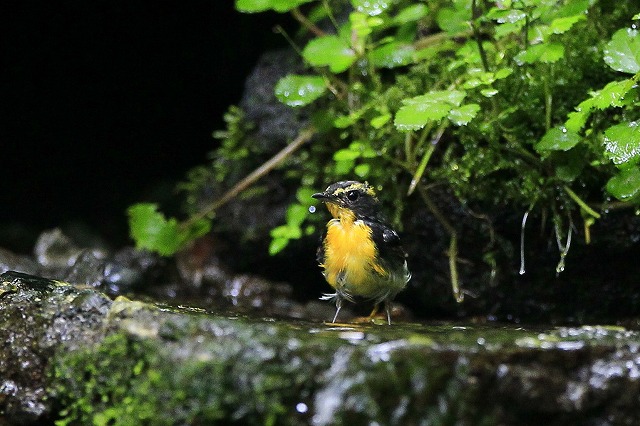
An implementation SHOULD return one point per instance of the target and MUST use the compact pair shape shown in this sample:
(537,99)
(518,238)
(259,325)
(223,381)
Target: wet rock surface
(196,277)
(71,353)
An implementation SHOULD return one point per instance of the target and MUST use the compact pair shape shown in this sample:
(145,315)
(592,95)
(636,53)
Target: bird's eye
(353,195)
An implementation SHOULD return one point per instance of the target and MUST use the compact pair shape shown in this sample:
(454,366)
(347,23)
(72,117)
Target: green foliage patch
(460,93)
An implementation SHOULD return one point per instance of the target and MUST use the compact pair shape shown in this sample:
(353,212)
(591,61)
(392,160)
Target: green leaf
(508,21)
(415,116)
(544,52)
(252,6)
(290,232)
(356,150)
(452,20)
(625,185)
(489,93)
(277,245)
(362,170)
(577,119)
(392,55)
(379,121)
(329,51)
(503,73)
(152,231)
(611,95)
(433,106)
(300,90)
(569,165)
(361,26)
(503,16)
(463,115)
(451,97)
(345,154)
(503,30)
(622,53)
(296,214)
(303,195)
(562,25)
(344,121)
(371,7)
(622,144)
(558,139)
(411,14)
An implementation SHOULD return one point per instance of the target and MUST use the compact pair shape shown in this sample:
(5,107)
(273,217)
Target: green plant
(531,104)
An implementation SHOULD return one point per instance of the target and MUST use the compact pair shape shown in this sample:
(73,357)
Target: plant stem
(453,244)
(438,38)
(581,203)
(475,14)
(427,155)
(303,137)
(306,23)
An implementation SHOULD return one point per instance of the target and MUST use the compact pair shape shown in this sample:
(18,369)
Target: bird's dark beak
(323,196)
(319,196)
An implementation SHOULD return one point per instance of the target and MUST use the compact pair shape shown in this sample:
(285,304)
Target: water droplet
(524,223)
(301,407)
(312,209)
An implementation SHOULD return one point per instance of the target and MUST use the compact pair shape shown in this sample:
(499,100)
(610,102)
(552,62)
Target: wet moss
(240,376)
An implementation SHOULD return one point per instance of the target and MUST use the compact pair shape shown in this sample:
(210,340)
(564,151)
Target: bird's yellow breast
(350,261)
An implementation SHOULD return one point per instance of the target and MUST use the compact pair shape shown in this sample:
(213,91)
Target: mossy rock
(73,356)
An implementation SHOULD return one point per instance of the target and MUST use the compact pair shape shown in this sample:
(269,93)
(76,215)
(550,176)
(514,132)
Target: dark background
(103,101)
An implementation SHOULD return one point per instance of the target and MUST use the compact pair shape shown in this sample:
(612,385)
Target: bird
(360,253)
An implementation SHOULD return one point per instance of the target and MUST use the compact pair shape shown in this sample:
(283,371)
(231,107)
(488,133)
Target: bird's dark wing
(388,243)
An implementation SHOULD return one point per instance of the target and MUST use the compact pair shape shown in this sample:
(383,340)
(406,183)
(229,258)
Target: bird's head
(350,196)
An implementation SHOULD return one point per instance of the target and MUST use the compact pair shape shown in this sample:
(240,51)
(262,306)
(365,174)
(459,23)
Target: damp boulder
(72,355)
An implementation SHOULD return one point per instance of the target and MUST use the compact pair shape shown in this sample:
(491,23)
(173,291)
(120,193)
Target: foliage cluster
(531,104)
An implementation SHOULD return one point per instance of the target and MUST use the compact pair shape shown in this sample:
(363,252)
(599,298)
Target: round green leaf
(329,51)
(371,7)
(454,20)
(622,53)
(411,13)
(345,154)
(252,6)
(300,90)
(381,120)
(303,195)
(392,55)
(626,184)
(622,143)
(558,139)
(362,170)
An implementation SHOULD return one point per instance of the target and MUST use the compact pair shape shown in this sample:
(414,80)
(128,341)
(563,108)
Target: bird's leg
(388,307)
(338,307)
(373,312)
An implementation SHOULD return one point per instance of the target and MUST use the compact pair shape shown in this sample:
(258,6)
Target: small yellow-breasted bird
(360,253)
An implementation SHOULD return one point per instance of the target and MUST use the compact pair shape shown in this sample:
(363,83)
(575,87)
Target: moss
(127,380)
